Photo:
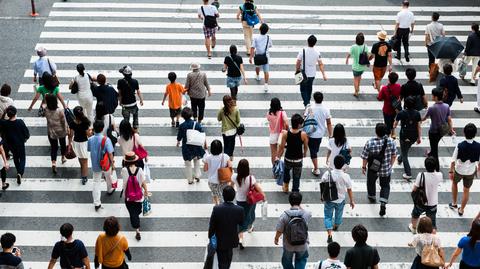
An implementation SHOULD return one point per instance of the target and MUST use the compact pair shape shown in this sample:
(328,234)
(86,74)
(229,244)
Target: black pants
(233,92)
(224,258)
(19,159)
(384,186)
(434,140)
(198,108)
(54,147)
(134,210)
(3,173)
(402,36)
(431,58)
(388,120)
(463,265)
(228,144)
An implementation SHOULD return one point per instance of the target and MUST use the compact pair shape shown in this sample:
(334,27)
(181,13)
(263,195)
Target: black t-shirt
(408,121)
(127,88)
(381,50)
(108,95)
(71,254)
(15,134)
(361,257)
(233,70)
(79,131)
(414,89)
(8,260)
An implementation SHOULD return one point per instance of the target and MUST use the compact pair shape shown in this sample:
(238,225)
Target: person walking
(477,107)
(208,14)
(127,86)
(129,139)
(212,162)
(48,87)
(98,145)
(197,88)
(293,139)
(57,130)
(174,91)
(414,89)
(233,65)
(111,247)
(425,237)
(338,144)
(432,31)
(244,182)
(43,65)
(5,100)
(379,154)
(472,50)
(469,247)
(84,92)
(308,58)
(10,257)
(260,45)
(15,135)
(224,222)
(4,167)
(292,226)
(333,250)
(324,124)
(79,132)
(449,84)
(110,129)
(277,122)
(72,252)
(465,159)
(190,152)
(382,55)
(387,94)
(249,15)
(405,21)
(229,115)
(344,185)
(361,255)
(359,48)
(106,94)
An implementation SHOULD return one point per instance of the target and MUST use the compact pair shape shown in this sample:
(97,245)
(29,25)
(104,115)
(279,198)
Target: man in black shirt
(361,256)
(414,89)
(382,53)
(126,91)
(10,256)
(106,94)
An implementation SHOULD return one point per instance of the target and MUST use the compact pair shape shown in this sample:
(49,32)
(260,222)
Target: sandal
(64,160)
(209,56)
(4,187)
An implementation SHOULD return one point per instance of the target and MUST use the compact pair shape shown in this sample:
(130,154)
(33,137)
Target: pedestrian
(229,115)
(84,91)
(15,135)
(4,167)
(293,227)
(190,152)
(358,49)
(197,88)
(429,181)
(79,132)
(410,132)
(224,222)
(42,65)
(387,94)
(10,257)
(133,183)
(344,185)
(244,182)
(174,91)
(209,14)
(442,63)
(477,108)
(338,144)
(469,247)
(233,65)
(111,247)
(465,158)
(48,87)
(108,120)
(106,94)
(432,31)
(57,130)
(323,119)
(472,49)
(129,139)
(440,116)
(379,154)
(293,140)
(72,252)
(260,45)
(361,255)
(450,86)
(127,86)
(414,89)
(277,122)
(249,15)
(307,59)
(212,162)
(333,250)
(5,100)
(425,237)
(405,21)
(382,55)
(97,145)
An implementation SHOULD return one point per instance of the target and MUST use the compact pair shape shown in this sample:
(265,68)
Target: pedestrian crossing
(156,38)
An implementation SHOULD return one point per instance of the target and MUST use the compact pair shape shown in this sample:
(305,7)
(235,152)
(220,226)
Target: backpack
(296,231)
(249,15)
(133,190)
(408,129)
(310,124)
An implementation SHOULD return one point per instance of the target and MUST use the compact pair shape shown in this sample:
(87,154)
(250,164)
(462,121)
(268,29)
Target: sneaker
(460,212)
(172,124)
(97,207)
(397,57)
(472,82)
(111,193)
(335,227)
(407,59)
(452,206)
(197,179)
(413,230)
(190,181)
(399,160)
(250,230)
(476,110)
(138,236)
(257,78)
(406,177)
(265,87)
(372,200)
(19,179)
(383,210)
(84,180)
(316,172)
(4,187)
(329,239)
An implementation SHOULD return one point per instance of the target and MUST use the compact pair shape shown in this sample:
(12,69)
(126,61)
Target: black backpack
(296,231)
(328,189)
(408,129)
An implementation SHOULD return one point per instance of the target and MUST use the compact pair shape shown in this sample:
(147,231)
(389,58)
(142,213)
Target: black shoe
(372,200)
(19,179)
(97,207)
(240,245)
(177,124)
(399,160)
(84,181)
(329,239)
(138,236)
(407,59)
(4,187)
(54,169)
(110,193)
(476,110)
(452,206)
(397,57)
(382,211)
(335,227)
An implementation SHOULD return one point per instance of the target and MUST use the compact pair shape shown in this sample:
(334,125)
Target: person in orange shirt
(111,247)
(174,91)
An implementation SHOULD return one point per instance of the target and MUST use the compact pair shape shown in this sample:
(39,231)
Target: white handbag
(195,137)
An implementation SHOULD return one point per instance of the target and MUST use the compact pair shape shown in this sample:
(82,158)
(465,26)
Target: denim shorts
(265,67)
(233,82)
(357,73)
(430,211)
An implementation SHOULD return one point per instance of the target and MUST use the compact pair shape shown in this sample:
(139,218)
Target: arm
(35,98)
(86,261)
(348,57)
(329,127)
(281,146)
(427,38)
(4,158)
(395,124)
(450,123)
(164,98)
(60,98)
(455,254)
(259,189)
(364,166)
(239,13)
(396,28)
(329,152)
(321,66)
(390,62)
(242,70)
(277,237)
(139,93)
(413,26)
(350,196)
(212,227)
(258,14)
(112,159)
(305,143)
(205,167)
(205,82)
(419,132)
(252,52)
(128,254)
(51,264)
(476,71)
(297,64)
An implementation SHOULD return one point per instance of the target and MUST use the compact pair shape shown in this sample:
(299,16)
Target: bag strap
(203,11)
(422,180)
(250,185)
(50,66)
(320,265)
(104,140)
(235,63)
(193,128)
(228,117)
(330,178)
(384,147)
(114,246)
(266,45)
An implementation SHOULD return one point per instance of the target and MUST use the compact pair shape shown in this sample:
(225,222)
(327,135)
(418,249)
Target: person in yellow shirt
(174,91)
(111,247)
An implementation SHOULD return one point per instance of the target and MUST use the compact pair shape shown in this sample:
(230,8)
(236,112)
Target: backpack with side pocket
(296,230)
(310,124)
(363,57)
(133,191)
(328,189)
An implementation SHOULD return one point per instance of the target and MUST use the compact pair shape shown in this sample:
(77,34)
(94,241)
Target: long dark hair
(126,130)
(339,135)
(228,104)
(243,171)
(47,79)
(80,116)
(474,233)
(51,100)
(81,69)
(100,111)
(275,106)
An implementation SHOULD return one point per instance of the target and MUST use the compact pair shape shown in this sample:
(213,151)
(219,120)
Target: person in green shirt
(358,48)
(230,118)
(47,87)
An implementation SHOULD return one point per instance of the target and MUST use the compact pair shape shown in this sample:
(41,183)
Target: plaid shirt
(374,146)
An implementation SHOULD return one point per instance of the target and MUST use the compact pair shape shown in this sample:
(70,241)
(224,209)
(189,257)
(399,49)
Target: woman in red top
(393,88)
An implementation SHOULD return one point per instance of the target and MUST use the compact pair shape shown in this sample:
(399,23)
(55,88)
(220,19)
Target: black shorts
(174,112)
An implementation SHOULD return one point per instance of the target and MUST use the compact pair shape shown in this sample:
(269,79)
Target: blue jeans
(248,216)
(306,90)
(300,259)
(296,168)
(328,209)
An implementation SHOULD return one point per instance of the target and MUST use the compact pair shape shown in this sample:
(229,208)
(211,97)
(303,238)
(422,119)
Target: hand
(18,253)
(452,131)
(145,194)
(448,265)
(352,204)
(277,158)
(276,241)
(364,170)
(419,140)
(209,93)
(389,68)
(324,77)
(245,80)
(163,103)
(178,144)
(451,175)
(327,162)
(7,166)
(250,60)
(141,102)
(461,100)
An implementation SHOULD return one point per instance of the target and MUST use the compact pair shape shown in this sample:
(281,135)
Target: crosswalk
(156,38)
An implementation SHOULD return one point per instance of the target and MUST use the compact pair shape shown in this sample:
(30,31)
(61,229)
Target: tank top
(294,146)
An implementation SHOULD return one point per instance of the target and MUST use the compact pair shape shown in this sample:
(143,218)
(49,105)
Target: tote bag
(195,137)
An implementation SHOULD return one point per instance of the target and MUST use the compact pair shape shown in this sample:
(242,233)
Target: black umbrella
(446,47)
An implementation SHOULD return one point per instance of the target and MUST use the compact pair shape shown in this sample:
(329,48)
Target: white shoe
(250,230)
(316,172)
(407,177)
(413,230)
(257,78)
(265,87)
(472,81)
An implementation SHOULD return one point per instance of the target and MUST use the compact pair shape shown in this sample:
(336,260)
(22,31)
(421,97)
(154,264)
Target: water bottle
(264,210)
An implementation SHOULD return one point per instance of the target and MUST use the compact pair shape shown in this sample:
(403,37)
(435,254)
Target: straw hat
(130,157)
(195,66)
(382,35)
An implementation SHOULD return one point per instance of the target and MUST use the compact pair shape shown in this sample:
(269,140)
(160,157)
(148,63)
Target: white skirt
(80,149)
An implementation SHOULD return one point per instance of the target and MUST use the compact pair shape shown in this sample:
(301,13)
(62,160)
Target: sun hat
(382,35)
(195,66)
(41,51)
(130,157)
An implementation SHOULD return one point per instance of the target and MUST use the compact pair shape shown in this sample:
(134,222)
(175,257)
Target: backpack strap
(104,140)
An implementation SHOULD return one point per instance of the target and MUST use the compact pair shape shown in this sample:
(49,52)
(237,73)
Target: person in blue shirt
(42,65)
(469,247)
(450,84)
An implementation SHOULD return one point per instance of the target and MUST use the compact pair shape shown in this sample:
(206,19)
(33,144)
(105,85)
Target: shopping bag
(147,206)
(114,179)
(146,171)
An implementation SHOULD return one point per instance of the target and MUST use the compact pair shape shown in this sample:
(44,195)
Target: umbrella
(446,47)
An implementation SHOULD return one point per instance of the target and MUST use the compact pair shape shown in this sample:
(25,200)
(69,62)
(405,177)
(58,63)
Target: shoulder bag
(431,255)
(345,153)
(419,196)
(139,150)
(375,160)
(363,57)
(224,173)
(394,101)
(262,59)
(300,75)
(209,21)
(56,82)
(253,195)
(74,87)
(105,162)
(111,133)
(240,127)
(328,189)
(195,137)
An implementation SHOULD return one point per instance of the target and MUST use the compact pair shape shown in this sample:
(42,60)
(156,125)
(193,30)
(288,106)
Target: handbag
(328,189)
(253,195)
(240,127)
(375,160)
(69,153)
(261,59)
(300,75)
(363,58)
(74,87)
(146,206)
(345,153)
(433,72)
(431,256)
(419,196)
(195,137)
(395,101)
(114,179)
(444,129)
(111,133)
(55,80)
(209,21)
(224,173)
(139,150)
(41,111)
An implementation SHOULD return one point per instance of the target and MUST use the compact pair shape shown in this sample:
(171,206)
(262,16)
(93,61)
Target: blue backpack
(310,124)
(250,16)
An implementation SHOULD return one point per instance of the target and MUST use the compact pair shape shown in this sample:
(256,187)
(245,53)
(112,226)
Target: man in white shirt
(332,262)
(432,31)
(307,59)
(261,45)
(208,14)
(405,20)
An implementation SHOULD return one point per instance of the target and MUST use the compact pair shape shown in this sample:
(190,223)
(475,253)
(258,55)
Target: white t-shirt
(214,162)
(127,146)
(335,150)
(331,264)
(463,168)
(342,180)
(106,122)
(405,18)
(431,186)
(434,30)
(311,58)
(321,115)
(84,90)
(140,179)
(209,10)
(259,43)
(242,191)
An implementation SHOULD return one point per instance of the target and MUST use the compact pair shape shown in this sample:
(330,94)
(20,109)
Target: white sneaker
(257,78)
(316,172)
(413,230)
(265,87)
(250,230)
(407,177)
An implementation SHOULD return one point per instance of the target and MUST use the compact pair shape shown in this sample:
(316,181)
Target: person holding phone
(10,256)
